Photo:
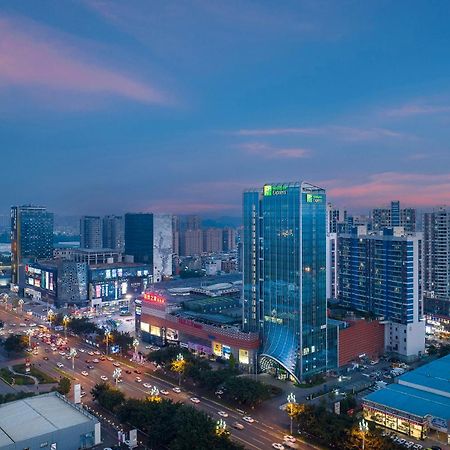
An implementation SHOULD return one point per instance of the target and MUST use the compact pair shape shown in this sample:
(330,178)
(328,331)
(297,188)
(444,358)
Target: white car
(91,353)
(116,364)
(60,365)
(238,426)
(164,392)
(81,350)
(176,390)
(138,379)
(109,358)
(278,446)
(95,360)
(104,378)
(194,400)
(248,419)
(223,414)
(147,385)
(84,373)
(97,352)
(289,438)
(62,353)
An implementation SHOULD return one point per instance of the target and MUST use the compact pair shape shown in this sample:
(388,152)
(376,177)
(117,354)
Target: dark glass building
(284,257)
(31,237)
(139,237)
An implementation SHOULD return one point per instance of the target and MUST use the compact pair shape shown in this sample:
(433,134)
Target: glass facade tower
(284,258)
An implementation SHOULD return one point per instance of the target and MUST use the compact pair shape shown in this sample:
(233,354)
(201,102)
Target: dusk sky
(178,106)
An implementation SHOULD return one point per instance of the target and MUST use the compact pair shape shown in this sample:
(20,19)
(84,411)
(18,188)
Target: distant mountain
(221,222)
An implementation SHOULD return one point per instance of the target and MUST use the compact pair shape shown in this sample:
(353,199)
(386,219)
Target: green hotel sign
(314,198)
(274,189)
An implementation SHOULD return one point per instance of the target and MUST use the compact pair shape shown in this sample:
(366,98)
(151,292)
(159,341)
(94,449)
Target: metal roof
(42,414)
(412,401)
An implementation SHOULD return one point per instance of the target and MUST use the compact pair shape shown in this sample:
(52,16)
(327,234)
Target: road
(258,435)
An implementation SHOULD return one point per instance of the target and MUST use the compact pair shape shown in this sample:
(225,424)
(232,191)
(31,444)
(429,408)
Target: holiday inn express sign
(274,189)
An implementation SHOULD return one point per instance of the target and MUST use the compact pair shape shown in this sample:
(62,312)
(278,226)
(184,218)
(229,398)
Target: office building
(335,216)
(31,237)
(193,242)
(113,233)
(89,256)
(436,258)
(47,421)
(379,273)
(176,235)
(91,232)
(284,279)
(394,217)
(149,238)
(212,240)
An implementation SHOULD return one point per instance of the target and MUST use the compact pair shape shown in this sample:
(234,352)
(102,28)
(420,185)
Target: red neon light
(154,298)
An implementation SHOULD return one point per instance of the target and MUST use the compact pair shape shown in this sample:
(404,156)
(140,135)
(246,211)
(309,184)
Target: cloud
(414,189)
(34,58)
(345,133)
(269,152)
(411,110)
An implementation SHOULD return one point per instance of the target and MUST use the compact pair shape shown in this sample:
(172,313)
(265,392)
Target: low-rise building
(47,422)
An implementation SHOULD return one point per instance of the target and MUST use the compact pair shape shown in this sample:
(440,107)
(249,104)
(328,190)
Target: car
(102,358)
(147,385)
(104,378)
(194,400)
(164,392)
(90,367)
(95,360)
(148,347)
(91,353)
(401,441)
(219,392)
(60,365)
(137,371)
(81,350)
(278,446)
(238,426)
(119,380)
(84,373)
(138,379)
(408,444)
(62,353)
(116,364)
(222,413)
(128,371)
(45,358)
(417,447)
(82,394)
(109,358)
(289,438)
(248,419)
(177,390)
(97,352)
(87,360)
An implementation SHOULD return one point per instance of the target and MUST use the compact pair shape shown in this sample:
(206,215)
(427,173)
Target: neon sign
(154,298)
(270,189)
(314,198)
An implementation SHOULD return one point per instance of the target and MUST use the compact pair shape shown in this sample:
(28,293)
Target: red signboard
(154,298)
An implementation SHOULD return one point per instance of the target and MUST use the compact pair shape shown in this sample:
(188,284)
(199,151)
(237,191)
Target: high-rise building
(335,216)
(394,217)
(192,242)
(91,232)
(176,235)
(148,238)
(212,240)
(31,237)
(436,261)
(113,233)
(284,292)
(380,273)
(228,239)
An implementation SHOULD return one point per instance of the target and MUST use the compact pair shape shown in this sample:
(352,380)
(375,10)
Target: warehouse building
(47,422)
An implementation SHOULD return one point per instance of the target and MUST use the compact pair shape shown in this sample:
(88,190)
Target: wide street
(257,435)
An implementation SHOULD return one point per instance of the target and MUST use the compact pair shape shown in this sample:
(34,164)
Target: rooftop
(434,375)
(412,401)
(42,414)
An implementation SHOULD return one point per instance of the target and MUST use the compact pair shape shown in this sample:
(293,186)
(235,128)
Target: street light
(72,354)
(108,335)
(135,345)
(364,428)
(180,360)
(20,303)
(29,333)
(291,401)
(116,374)
(50,316)
(221,427)
(66,320)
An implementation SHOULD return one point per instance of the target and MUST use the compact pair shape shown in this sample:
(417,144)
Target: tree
(83,326)
(15,343)
(246,391)
(232,362)
(98,389)
(123,340)
(63,386)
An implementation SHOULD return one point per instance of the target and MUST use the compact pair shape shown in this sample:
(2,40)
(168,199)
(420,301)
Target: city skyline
(178,108)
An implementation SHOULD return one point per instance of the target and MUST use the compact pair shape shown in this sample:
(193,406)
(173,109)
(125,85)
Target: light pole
(20,303)
(107,336)
(180,360)
(66,320)
(291,401)
(116,374)
(50,315)
(135,345)
(364,428)
(72,354)
(29,333)
(221,427)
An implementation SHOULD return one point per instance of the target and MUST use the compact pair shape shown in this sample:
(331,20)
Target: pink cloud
(416,110)
(35,59)
(269,152)
(411,188)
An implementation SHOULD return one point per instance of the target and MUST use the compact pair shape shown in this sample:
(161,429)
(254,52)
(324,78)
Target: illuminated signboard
(314,198)
(273,189)
(154,298)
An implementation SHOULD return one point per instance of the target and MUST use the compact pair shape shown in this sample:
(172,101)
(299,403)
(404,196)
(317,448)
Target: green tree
(232,362)
(98,389)
(123,340)
(64,386)
(15,343)
(246,391)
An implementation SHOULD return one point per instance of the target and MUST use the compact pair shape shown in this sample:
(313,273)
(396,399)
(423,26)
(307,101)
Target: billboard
(243,356)
(217,348)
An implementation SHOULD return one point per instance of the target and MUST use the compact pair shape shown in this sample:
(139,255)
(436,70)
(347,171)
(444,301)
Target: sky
(109,106)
